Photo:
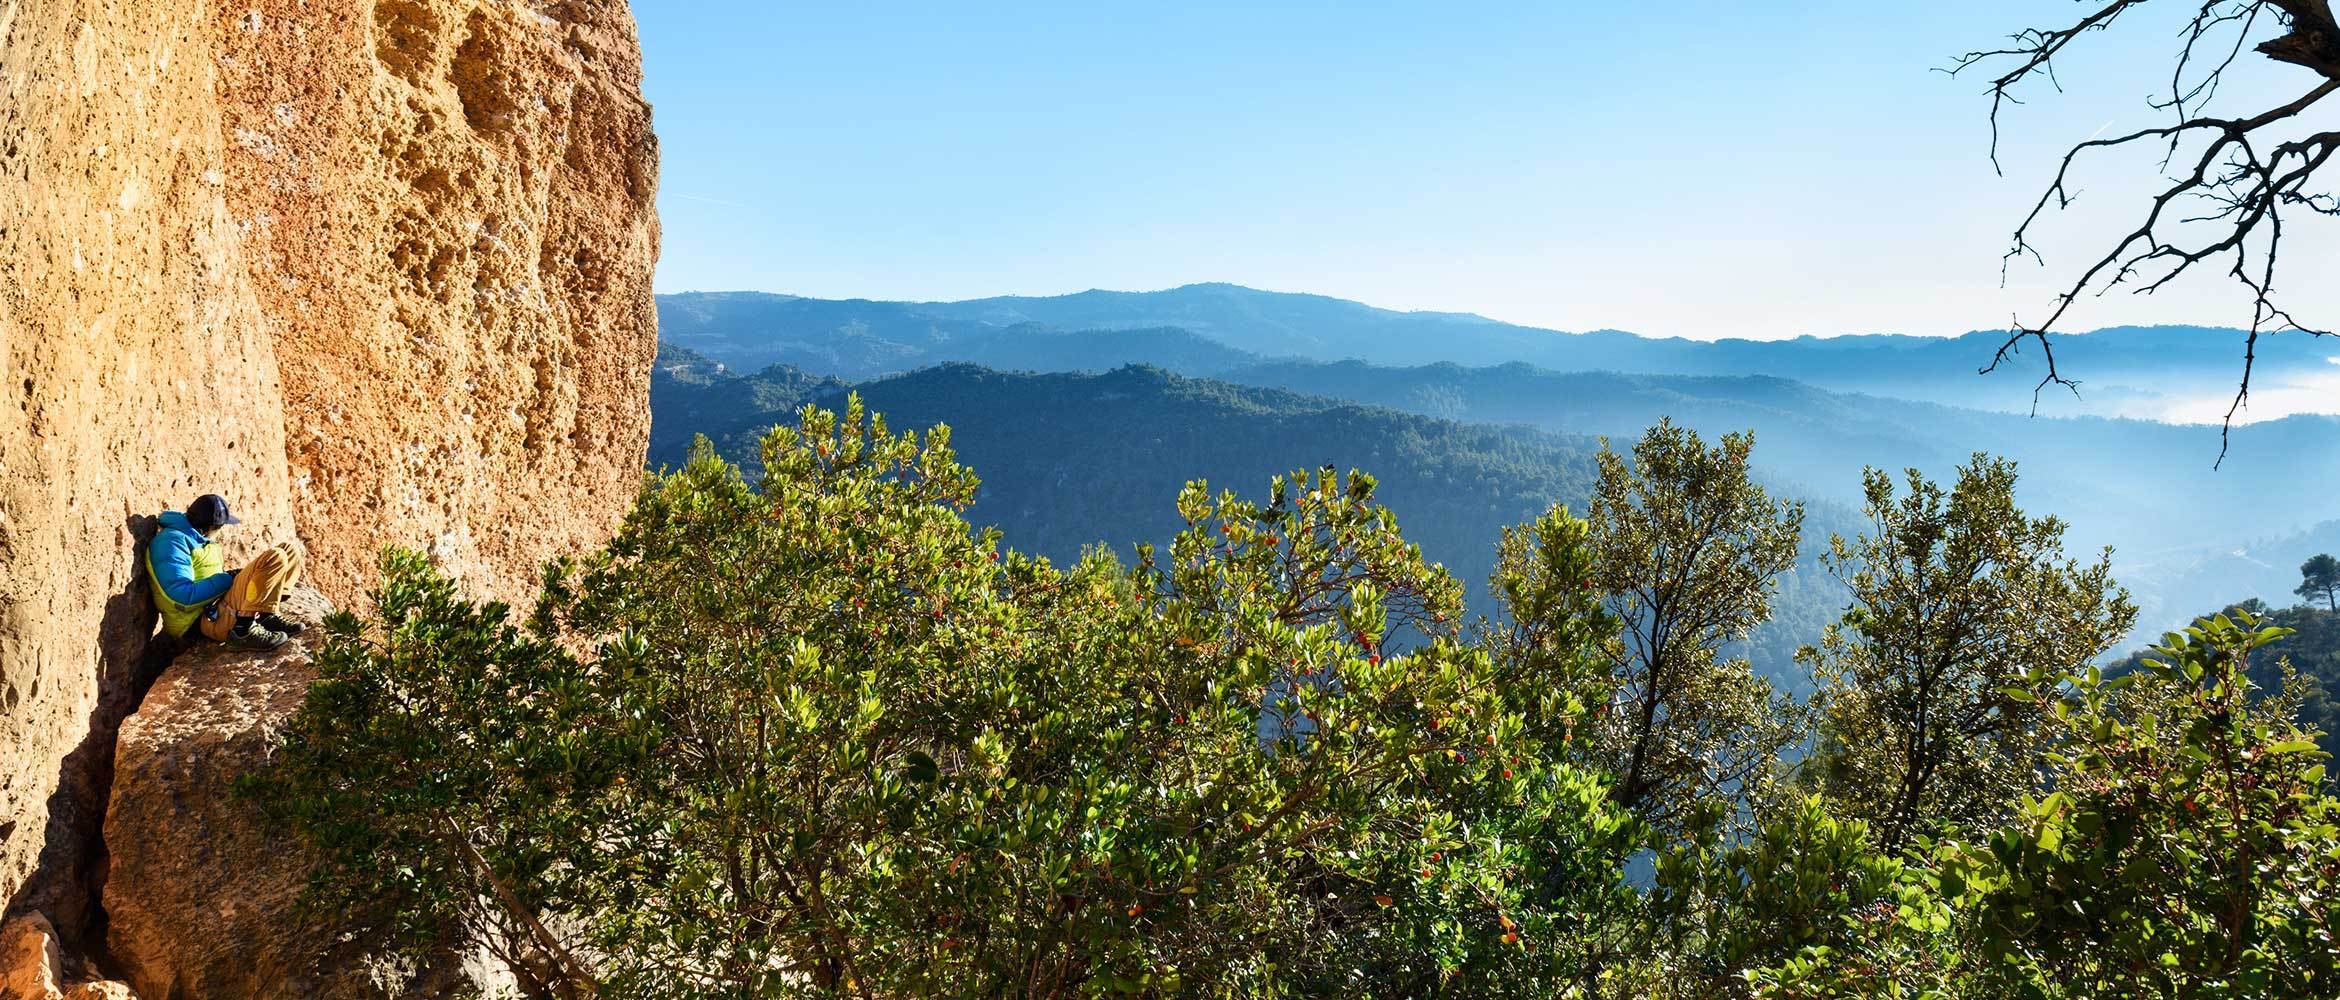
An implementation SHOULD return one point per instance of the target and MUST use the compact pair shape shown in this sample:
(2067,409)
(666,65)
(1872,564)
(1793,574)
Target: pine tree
(2320,577)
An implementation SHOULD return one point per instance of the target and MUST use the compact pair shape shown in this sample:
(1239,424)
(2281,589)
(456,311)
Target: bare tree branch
(2249,170)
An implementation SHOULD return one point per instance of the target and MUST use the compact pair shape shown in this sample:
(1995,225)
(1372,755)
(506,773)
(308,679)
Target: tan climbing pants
(258,586)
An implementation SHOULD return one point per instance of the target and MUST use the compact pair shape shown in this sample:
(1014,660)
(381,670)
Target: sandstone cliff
(445,210)
(378,270)
(139,371)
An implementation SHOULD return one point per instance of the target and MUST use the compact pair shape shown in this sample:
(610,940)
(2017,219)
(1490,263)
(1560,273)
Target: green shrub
(454,777)
(832,741)
(2189,849)
(816,735)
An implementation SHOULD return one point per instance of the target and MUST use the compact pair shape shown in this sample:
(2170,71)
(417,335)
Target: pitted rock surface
(377,270)
(445,208)
(139,373)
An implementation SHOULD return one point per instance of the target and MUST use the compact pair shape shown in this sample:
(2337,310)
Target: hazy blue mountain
(2143,487)
(2123,371)
(855,338)
(1822,408)
(861,339)
(2185,535)
(2263,569)
(1273,324)
(1169,348)
(2286,471)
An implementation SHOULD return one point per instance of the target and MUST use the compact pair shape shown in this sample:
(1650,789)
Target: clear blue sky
(1701,168)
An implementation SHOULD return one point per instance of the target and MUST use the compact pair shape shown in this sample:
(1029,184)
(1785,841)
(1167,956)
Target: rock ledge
(201,899)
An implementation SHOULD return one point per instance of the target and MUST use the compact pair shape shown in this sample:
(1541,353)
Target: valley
(1822,410)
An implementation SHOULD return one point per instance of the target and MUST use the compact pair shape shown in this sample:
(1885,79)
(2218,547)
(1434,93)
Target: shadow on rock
(66,886)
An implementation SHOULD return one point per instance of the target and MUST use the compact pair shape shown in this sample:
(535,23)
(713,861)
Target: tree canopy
(2320,578)
(1935,683)
(810,732)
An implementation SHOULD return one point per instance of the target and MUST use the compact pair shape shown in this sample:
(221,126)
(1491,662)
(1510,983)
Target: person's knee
(275,561)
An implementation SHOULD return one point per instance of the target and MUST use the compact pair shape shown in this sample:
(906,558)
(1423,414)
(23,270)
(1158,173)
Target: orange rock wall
(378,270)
(446,212)
(138,369)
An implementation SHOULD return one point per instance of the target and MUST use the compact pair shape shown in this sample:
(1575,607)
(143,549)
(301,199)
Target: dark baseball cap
(210,511)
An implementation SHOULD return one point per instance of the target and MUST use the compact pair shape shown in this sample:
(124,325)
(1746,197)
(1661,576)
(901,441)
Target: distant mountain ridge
(2134,371)
(1822,408)
(1821,439)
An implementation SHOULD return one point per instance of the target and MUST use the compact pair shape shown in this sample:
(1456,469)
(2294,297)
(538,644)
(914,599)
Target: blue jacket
(185,567)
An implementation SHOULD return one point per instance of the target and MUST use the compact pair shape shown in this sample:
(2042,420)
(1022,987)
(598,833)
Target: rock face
(377,270)
(445,208)
(139,373)
(201,901)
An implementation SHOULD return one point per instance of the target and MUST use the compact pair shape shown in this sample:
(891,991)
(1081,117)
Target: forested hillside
(690,396)
(2283,470)
(1070,460)
(2174,539)
(808,724)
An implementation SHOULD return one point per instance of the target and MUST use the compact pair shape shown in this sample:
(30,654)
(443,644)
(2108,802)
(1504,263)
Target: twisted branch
(2247,173)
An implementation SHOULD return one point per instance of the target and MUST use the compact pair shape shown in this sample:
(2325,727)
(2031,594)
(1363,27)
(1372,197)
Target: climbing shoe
(281,626)
(250,634)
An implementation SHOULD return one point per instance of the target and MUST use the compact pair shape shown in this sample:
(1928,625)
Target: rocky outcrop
(378,270)
(203,897)
(32,967)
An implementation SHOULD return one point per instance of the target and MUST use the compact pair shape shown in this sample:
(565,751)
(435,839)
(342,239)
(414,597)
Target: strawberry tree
(846,745)
(2189,848)
(452,781)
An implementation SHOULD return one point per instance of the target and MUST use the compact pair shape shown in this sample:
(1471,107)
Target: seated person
(190,585)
